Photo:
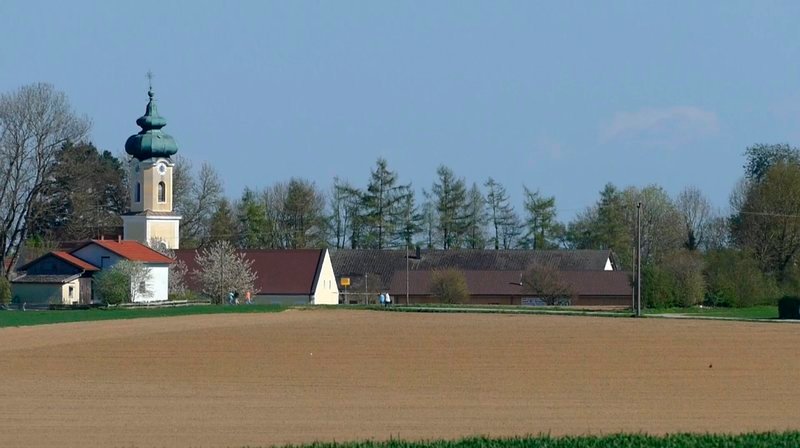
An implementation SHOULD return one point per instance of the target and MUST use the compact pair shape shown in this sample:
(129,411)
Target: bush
(112,286)
(449,286)
(789,308)
(733,278)
(5,291)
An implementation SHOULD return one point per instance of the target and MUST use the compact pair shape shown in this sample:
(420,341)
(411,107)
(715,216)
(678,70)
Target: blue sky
(560,96)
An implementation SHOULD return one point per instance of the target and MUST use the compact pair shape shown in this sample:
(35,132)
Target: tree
(126,281)
(341,217)
(410,220)
(223,225)
(733,278)
(500,213)
(449,195)
(222,270)
(303,221)
(195,200)
(696,213)
(544,282)
(449,286)
(662,224)
(5,291)
(761,157)
(253,224)
(35,121)
(767,222)
(475,219)
(540,220)
(382,203)
(82,197)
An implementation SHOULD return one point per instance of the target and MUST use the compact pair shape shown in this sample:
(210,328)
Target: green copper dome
(151,141)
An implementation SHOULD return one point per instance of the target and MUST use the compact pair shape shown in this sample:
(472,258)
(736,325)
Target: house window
(142,288)
(162,192)
(71,292)
(138,192)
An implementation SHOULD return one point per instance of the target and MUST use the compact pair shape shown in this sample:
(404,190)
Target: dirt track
(301,376)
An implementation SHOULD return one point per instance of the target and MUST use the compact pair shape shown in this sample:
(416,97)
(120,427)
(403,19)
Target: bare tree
(35,121)
(195,199)
(695,210)
(223,270)
(545,283)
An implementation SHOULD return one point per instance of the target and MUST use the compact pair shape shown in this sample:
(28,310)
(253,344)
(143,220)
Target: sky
(561,96)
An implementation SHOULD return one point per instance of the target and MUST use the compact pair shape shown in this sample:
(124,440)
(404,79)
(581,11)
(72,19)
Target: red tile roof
(290,272)
(131,250)
(75,261)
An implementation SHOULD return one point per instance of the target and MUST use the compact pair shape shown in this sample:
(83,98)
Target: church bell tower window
(138,192)
(162,192)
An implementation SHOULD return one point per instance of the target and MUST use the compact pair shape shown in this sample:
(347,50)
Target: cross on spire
(150,79)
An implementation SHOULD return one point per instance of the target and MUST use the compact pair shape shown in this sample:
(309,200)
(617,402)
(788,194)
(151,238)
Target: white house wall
(94,254)
(157,284)
(609,266)
(326,292)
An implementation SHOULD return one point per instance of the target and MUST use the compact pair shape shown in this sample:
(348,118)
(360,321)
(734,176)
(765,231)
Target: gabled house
(61,277)
(55,278)
(284,276)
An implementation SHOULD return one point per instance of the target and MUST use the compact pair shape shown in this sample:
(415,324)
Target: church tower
(151,216)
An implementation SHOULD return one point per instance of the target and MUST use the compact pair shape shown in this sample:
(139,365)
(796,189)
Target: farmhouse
(493,276)
(65,278)
(289,276)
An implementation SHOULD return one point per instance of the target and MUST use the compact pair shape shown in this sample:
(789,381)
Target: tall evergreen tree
(500,213)
(253,224)
(540,219)
(382,205)
(450,196)
(475,219)
(223,225)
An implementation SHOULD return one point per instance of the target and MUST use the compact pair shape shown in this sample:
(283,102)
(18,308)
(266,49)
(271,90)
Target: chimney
(419,256)
(119,238)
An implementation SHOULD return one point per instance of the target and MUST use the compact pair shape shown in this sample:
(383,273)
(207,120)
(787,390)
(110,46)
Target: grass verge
(771,439)
(26,318)
(754,312)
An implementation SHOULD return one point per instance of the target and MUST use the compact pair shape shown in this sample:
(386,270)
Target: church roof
(151,141)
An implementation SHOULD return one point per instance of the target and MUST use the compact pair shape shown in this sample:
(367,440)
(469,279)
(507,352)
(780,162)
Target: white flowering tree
(222,270)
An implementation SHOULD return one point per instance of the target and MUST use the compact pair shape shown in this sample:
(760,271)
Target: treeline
(52,189)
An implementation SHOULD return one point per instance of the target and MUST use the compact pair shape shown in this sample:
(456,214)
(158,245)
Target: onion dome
(151,141)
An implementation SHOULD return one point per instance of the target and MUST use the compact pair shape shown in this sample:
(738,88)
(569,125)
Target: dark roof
(46,278)
(385,263)
(131,250)
(506,283)
(289,271)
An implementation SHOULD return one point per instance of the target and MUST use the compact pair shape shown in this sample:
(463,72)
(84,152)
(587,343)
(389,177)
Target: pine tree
(382,202)
(540,220)
(450,197)
(475,219)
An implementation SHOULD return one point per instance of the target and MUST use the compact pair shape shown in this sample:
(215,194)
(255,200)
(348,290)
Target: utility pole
(406,273)
(639,259)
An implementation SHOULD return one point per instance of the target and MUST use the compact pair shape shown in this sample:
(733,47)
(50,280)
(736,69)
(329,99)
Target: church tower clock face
(161,168)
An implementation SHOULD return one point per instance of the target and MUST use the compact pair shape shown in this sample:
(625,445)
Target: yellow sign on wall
(344,281)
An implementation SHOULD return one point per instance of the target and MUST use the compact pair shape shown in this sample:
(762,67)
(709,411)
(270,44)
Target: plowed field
(300,376)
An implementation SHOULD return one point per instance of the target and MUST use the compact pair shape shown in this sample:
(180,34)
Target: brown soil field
(301,376)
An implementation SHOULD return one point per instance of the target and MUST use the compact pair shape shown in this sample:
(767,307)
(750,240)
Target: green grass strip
(754,312)
(31,317)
